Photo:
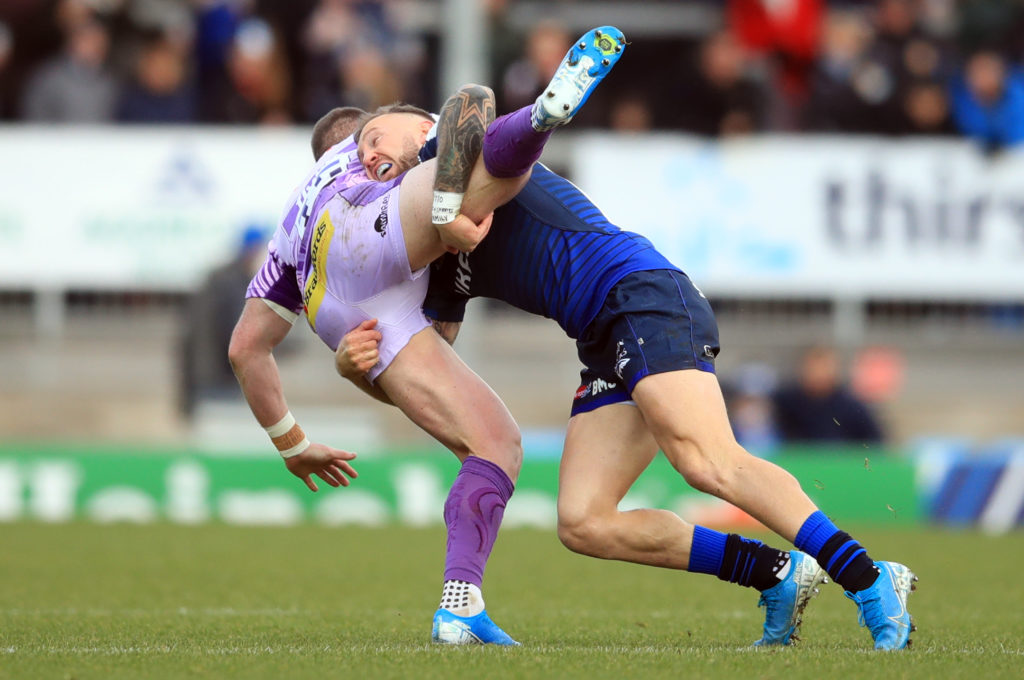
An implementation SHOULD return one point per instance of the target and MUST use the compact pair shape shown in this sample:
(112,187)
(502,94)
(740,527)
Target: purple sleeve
(276,282)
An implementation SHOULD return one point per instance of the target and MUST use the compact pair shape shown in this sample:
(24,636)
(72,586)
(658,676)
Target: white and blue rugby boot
(883,606)
(585,64)
(785,602)
(450,629)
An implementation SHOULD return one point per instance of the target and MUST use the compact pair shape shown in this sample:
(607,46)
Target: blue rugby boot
(584,66)
(450,629)
(785,602)
(883,606)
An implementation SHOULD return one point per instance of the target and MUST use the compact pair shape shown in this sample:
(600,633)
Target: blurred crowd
(819,401)
(894,67)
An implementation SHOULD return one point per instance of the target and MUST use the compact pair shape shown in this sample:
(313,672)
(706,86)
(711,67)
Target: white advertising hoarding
(131,207)
(818,216)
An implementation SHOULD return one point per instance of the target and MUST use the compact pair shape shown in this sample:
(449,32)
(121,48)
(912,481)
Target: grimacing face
(389,144)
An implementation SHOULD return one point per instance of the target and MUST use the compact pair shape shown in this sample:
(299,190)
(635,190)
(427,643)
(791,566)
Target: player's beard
(410,155)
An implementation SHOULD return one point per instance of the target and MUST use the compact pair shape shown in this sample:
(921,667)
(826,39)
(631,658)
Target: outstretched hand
(357,352)
(463,234)
(330,465)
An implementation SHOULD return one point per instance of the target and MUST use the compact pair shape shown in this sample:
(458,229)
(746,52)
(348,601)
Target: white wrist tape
(298,448)
(280,427)
(288,437)
(447,205)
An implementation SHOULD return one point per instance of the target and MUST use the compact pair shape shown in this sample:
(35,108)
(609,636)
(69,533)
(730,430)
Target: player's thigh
(438,392)
(605,451)
(686,413)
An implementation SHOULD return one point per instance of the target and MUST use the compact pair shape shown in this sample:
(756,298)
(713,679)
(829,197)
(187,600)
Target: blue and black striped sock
(751,563)
(736,559)
(845,560)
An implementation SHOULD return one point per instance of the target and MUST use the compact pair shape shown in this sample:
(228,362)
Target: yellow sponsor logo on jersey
(316,284)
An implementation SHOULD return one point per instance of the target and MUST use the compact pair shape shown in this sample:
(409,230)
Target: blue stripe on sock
(814,533)
(846,564)
(837,553)
(748,570)
(732,576)
(706,551)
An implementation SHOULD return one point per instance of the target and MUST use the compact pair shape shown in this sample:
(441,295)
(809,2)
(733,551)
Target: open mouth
(382,169)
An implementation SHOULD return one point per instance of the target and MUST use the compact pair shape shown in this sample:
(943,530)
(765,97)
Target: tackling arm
(463,123)
(449,330)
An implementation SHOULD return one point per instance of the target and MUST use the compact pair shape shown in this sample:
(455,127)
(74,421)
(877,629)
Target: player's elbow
(242,348)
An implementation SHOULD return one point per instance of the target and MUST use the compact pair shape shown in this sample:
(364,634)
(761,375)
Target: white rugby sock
(462,598)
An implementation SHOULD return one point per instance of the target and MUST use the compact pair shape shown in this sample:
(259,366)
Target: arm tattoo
(448,330)
(460,136)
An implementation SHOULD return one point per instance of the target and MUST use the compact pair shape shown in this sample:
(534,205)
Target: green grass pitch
(86,601)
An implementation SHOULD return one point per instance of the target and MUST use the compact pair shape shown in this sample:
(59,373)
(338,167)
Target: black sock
(751,563)
(847,562)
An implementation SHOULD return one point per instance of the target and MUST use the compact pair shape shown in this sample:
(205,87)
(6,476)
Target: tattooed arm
(448,330)
(460,139)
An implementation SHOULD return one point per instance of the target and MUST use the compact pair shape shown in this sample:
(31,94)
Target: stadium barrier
(59,484)
(964,485)
(772,215)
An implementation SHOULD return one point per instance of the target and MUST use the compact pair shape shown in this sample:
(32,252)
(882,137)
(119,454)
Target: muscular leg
(687,415)
(442,395)
(438,392)
(605,451)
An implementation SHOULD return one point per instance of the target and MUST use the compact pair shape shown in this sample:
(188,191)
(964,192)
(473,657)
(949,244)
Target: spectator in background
(880,85)
(901,54)
(216,24)
(786,35)
(721,99)
(210,318)
(926,110)
(76,86)
(369,81)
(631,112)
(751,412)
(6,47)
(160,91)
(841,85)
(546,45)
(258,77)
(818,408)
(348,48)
(988,101)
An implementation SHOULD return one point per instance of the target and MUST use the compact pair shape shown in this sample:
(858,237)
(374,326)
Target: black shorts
(651,322)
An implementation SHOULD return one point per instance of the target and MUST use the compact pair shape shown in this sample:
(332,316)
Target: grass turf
(86,601)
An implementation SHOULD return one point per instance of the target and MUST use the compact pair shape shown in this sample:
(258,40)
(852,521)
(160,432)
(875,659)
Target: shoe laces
(771,604)
(870,612)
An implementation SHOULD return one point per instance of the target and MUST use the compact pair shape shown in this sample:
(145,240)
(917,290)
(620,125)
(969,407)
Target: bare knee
(708,470)
(581,533)
(505,451)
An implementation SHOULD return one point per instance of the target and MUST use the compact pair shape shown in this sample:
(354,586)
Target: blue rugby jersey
(550,251)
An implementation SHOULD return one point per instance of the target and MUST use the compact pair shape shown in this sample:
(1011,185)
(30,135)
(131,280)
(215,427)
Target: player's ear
(425,126)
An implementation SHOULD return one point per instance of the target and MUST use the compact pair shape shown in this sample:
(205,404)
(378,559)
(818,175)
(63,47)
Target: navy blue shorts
(651,322)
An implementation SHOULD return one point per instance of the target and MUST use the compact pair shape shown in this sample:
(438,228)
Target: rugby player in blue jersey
(648,339)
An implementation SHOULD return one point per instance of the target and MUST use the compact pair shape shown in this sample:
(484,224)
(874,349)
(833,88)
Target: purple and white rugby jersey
(283,275)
